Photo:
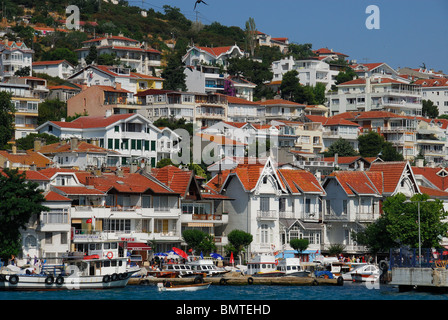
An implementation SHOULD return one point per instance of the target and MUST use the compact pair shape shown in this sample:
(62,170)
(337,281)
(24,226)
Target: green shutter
(116,144)
(132,144)
(110,143)
(146,145)
(153,146)
(139,144)
(153,162)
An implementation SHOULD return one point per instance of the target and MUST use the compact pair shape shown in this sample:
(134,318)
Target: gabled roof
(358,182)
(393,172)
(300,181)
(53,62)
(174,178)
(438,177)
(272,102)
(220,140)
(54,196)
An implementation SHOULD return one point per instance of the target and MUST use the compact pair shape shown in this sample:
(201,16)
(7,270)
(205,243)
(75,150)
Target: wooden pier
(244,280)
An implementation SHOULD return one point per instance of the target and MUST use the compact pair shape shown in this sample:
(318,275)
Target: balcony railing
(269,214)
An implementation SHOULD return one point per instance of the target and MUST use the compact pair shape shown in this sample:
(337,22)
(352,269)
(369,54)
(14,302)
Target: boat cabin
(262,264)
(289,265)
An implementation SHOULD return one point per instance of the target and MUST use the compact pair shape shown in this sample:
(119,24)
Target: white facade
(311,71)
(14,56)
(435,90)
(61,68)
(376,93)
(132,135)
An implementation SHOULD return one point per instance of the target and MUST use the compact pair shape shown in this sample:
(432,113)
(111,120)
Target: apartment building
(435,90)
(26,102)
(376,93)
(282,109)
(131,52)
(57,68)
(310,71)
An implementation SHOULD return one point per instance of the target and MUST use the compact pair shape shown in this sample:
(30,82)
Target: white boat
(167,286)
(207,267)
(292,267)
(77,271)
(368,272)
(345,269)
(264,265)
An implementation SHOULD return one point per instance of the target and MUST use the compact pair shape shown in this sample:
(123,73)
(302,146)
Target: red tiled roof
(236,100)
(392,172)
(45,63)
(54,196)
(433,192)
(300,181)
(28,158)
(431,175)
(359,182)
(92,122)
(280,101)
(66,147)
(78,190)
(110,37)
(220,140)
(216,51)
(174,178)
(432,82)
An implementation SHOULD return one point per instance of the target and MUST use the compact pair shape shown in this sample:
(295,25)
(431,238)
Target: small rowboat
(167,286)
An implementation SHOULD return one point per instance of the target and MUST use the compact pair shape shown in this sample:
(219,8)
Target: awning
(200,224)
(138,246)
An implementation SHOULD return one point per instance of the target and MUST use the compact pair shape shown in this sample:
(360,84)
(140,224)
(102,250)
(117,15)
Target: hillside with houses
(138,132)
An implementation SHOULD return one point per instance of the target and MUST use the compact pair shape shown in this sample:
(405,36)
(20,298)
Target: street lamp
(419,232)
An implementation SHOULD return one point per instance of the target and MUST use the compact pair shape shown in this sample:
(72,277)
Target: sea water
(349,291)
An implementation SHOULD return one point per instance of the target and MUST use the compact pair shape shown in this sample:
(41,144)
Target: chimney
(38,144)
(74,143)
(108,113)
(336,156)
(419,163)
(118,85)
(14,149)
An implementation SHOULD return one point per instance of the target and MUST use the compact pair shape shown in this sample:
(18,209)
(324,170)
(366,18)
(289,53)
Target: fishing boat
(345,269)
(206,267)
(167,286)
(264,265)
(368,272)
(292,267)
(77,271)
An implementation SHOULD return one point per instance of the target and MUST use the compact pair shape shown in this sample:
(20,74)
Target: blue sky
(411,32)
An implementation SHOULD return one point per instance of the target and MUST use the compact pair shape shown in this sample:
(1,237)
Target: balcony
(367,217)
(267,215)
(209,218)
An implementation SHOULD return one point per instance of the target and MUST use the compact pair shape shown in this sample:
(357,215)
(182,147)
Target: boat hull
(188,287)
(45,282)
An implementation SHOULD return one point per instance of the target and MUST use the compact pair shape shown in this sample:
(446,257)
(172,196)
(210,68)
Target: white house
(435,90)
(134,136)
(13,57)
(205,67)
(273,205)
(58,68)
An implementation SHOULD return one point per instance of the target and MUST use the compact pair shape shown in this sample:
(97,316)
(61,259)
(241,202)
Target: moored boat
(168,286)
(292,267)
(206,267)
(264,266)
(368,272)
(95,270)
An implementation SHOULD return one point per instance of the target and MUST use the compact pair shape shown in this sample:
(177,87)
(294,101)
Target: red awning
(138,246)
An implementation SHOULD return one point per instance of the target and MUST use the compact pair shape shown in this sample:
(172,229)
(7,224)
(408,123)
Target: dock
(244,280)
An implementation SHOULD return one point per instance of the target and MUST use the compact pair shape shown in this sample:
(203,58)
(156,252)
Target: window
(307,205)
(264,233)
(146,202)
(264,204)
(153,146)
(110,143)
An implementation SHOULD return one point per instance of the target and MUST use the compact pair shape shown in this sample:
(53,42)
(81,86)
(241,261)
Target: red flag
(231,258)
(89,221)
(180,252)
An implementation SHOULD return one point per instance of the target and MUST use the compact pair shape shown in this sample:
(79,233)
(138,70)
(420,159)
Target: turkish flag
(231,258)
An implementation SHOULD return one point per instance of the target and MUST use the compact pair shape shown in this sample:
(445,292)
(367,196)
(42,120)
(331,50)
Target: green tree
(347,75)
(61,54)
(239,240)
(6,118)
(299,244)
(20,200)
(164,162)
(319,93)
(300,51)
(27,143)
(52,110)
(342,147)
(398,225)
(389,153)
(429,109)
(370,144)
(193,238)
(207,245)
(108,59)
(173,73)
(402,220)
(251,34)
(290,86)
(23,72)
(92,56)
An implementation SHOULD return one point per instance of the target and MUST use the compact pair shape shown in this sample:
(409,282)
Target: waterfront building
(274,205)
